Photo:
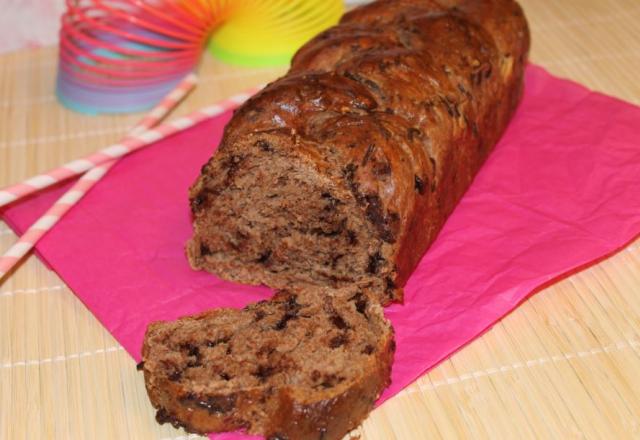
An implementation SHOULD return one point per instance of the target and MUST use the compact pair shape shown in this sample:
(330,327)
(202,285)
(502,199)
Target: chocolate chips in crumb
(267,368)
(264,257)
(419,184)
(375,261)
(264,145)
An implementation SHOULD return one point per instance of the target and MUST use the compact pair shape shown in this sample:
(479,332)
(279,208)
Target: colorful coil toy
(125,55)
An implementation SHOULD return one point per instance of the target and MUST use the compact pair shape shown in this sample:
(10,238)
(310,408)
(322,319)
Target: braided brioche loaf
(345,170)
(332,183)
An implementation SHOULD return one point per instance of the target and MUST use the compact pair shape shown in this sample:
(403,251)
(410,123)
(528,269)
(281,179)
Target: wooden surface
(564,365)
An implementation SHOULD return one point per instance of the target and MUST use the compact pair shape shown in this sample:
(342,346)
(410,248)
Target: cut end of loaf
(262,216)
(268,367)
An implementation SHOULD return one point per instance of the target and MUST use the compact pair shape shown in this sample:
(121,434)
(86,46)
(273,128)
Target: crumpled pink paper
(561,190)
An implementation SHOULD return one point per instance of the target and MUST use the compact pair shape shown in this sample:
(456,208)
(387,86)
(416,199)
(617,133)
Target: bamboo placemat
(564,364)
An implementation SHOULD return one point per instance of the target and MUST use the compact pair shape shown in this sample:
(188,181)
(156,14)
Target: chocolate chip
(188,397)
(192,351)
(140,366)
(264,257)
(390,285)
(225,376)
(360,302)
(292,303)
(197,202)
(418,184)
(282,324)
(264,372)
(263,145)
(187,346)
(162,416)
(338,341)
(376,216)
(352,238)
(175,376)
(374,263)
(204,250)
(259,315)
(331,380)
(217,404)
(338,321)
(368,349)
(349,171)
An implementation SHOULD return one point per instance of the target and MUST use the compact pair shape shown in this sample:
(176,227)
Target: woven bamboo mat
(565,364)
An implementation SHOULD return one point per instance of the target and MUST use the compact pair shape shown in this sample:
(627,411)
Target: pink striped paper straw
(130,144)
(29,239)
(167,104)
(26,242)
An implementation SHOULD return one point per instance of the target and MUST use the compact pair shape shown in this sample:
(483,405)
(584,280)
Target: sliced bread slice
(303,365)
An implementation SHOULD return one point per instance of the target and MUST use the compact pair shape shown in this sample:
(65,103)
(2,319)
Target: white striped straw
(168,103)
(130,144)
(41,226)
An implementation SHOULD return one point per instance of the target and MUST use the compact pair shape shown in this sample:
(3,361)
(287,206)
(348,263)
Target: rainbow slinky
(125,55)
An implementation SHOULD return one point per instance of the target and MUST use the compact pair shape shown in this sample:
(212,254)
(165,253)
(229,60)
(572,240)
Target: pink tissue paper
(560,191)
